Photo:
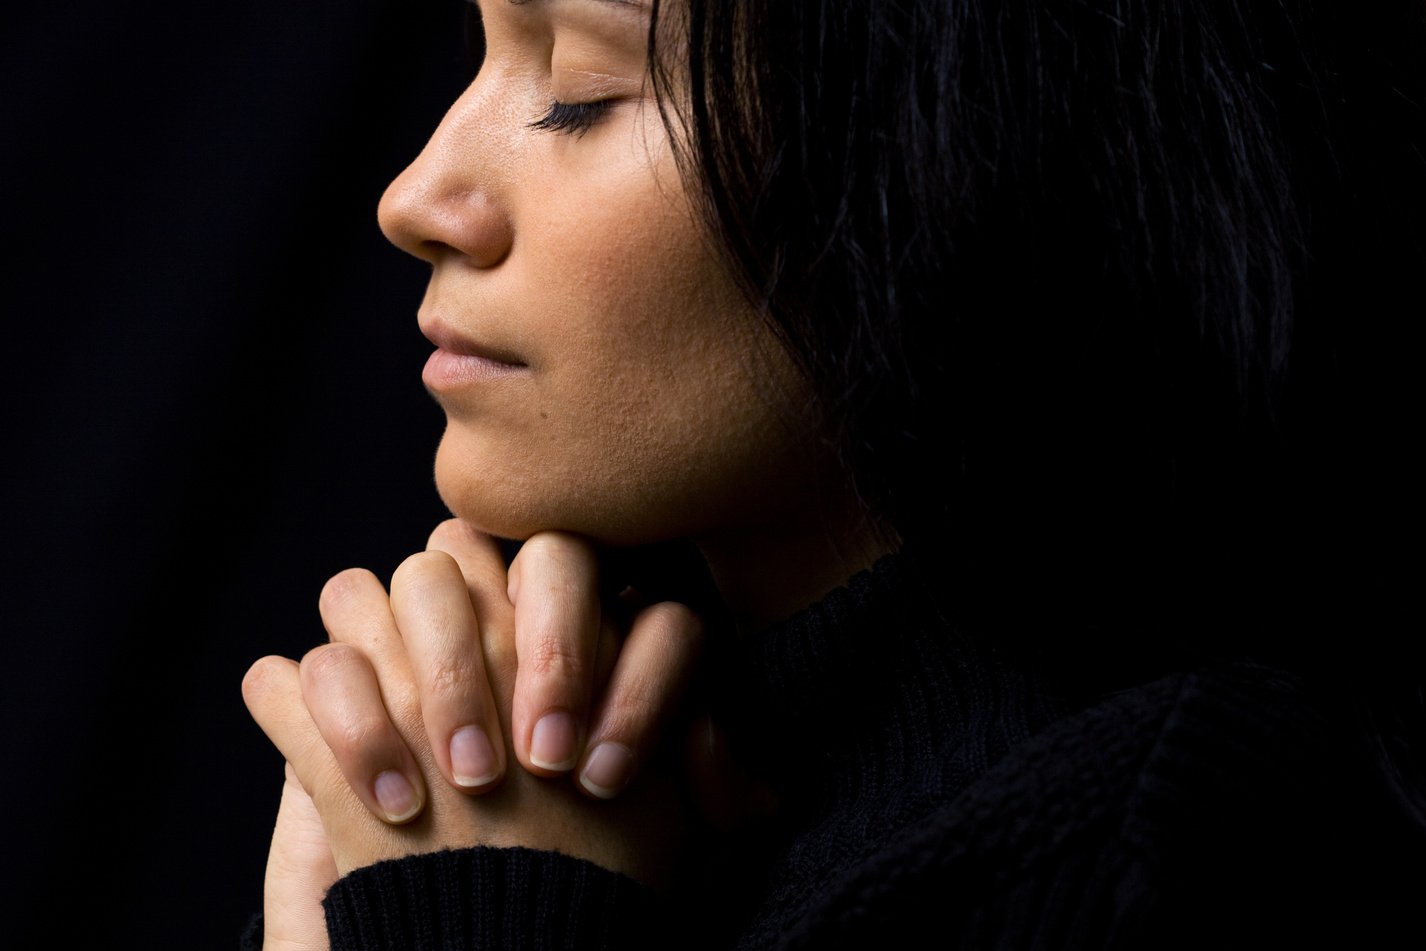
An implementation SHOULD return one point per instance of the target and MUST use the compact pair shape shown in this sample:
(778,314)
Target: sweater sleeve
(1202,810)
(489,898)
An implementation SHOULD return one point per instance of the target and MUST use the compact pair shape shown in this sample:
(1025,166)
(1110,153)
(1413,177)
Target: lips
(448,340)
(459,361)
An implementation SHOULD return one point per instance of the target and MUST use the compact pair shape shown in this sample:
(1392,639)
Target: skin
(638,396)
(628,394)
(651,402)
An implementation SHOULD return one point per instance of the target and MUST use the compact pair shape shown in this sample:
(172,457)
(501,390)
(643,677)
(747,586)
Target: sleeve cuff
(489,898)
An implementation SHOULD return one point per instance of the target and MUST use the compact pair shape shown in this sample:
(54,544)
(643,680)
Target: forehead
(635,4)
(634,8)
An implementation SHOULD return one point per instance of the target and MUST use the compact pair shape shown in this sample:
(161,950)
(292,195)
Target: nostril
(432,216)
(477,226)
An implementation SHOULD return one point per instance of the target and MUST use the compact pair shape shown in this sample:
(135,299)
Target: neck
(770,572)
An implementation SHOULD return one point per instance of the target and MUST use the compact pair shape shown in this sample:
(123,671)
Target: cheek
(661,407)
(654,452)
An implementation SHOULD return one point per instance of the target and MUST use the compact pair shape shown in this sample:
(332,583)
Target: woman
(1064,331)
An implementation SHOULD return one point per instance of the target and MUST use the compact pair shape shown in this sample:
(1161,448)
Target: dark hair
(1104,302)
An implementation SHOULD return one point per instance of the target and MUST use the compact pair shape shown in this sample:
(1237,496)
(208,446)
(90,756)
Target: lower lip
(446,370)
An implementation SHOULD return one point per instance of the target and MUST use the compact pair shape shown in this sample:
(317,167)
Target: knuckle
(449,532)
(259,679)
(638,701)
(357,736)
(631,717)
(674,622)
(425,569)
(345,588)
(552,656)
(451,677)
(330,662)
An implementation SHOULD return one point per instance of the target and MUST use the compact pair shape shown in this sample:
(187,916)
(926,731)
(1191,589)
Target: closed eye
(572,118)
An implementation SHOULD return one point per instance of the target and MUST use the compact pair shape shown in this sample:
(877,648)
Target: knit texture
(934,788)
(487,898)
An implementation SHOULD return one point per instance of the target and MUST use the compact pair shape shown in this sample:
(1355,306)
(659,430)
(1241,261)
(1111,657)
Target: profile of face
(600,371)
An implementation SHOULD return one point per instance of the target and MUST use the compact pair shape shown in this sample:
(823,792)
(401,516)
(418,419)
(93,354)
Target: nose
(451,199)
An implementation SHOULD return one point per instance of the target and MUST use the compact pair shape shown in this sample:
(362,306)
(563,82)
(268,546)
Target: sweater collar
(861,688)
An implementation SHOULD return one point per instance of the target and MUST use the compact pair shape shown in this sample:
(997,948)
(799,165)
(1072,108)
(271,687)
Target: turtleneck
(866,712)
(855,695)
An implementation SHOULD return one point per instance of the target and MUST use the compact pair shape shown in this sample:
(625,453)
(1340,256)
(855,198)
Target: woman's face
(599,371)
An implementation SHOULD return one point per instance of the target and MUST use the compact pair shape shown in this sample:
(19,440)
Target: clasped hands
(395,732)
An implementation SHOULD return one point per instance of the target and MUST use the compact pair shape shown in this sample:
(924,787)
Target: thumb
(300,869)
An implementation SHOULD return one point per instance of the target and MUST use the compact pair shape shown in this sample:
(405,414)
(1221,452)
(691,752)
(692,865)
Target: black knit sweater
(935,788)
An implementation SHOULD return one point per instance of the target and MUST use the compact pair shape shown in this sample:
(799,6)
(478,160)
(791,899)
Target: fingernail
(608,770)
(472,757)
(552,743)
(396,796)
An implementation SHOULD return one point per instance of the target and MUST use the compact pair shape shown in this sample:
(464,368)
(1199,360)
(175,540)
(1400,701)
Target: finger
(481,564)
(340,689)
(554,587)
(300,869)
(438,624)
(356,610)
(272,690)
(650,676)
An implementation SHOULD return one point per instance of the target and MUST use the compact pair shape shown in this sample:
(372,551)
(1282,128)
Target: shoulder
(1158,815)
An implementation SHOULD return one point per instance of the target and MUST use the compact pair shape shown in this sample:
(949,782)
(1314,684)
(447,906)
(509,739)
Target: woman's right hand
(565,651)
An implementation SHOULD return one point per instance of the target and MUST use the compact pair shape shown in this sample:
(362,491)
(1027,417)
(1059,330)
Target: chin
(505,495)
(509,497)
(486,495)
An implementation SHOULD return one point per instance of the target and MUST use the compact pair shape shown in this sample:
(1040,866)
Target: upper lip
(449,340)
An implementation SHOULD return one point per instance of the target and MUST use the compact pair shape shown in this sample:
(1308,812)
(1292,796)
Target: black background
(212,403)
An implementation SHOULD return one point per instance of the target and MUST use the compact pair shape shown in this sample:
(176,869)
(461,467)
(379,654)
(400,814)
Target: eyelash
(572,118)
